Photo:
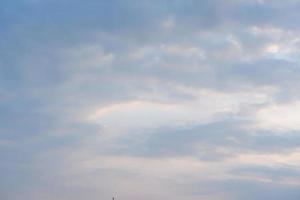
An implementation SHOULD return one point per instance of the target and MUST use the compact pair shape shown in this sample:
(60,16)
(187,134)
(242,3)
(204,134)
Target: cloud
(149,99)
(279,117)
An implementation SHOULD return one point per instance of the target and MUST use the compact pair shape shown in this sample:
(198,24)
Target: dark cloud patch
(268,72)
(215,141)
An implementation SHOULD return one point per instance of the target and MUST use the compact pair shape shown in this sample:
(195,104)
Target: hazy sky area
(150,99)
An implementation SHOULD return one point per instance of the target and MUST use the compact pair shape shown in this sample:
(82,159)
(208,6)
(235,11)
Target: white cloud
(205,107)
(176,51)
(279,117)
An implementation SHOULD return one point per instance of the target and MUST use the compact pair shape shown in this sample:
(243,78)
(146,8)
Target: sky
(149,99)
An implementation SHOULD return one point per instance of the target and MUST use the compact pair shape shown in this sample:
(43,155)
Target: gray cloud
(207,142)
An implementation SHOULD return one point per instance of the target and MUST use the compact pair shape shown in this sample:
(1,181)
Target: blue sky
(140,99)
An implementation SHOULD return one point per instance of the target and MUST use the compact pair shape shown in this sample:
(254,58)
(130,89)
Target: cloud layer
(177,99)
